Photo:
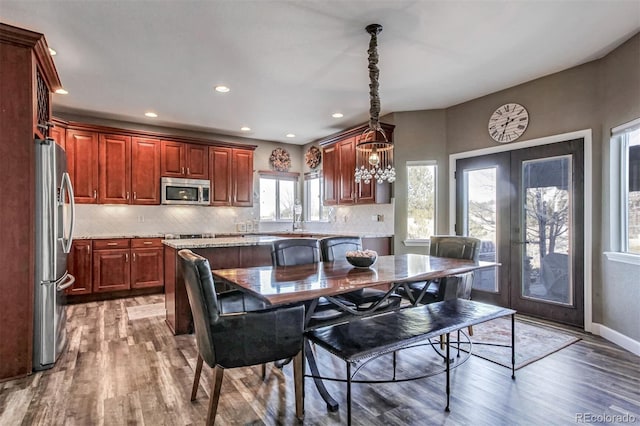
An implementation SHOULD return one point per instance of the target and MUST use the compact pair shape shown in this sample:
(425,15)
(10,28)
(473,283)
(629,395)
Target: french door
(527,207)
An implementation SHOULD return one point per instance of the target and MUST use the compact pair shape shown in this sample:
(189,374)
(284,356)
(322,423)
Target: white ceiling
(291,64)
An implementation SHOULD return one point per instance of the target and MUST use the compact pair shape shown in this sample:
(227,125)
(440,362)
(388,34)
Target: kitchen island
(223,253)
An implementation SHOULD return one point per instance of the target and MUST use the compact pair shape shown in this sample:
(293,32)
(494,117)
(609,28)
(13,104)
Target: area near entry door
(527,207)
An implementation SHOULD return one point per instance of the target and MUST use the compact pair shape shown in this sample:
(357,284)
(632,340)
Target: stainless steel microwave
(185,191)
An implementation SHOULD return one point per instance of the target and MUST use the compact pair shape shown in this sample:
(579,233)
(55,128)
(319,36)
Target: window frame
(432,163)
(620,138)
(322,213)
(278,177)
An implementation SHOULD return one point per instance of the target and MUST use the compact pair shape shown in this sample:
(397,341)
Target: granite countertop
(189,243)
(226,235)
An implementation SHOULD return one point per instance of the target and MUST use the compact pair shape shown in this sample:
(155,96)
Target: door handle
(522,242)
(70,280)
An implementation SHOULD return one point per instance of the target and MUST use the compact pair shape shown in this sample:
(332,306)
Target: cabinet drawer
(146,242)
(111,244)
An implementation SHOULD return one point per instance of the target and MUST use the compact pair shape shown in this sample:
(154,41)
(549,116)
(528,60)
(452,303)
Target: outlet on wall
(140,219)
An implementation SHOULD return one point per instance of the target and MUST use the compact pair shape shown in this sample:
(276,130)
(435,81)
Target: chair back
(203,300)
(333,248)
(295,251)
(455,247)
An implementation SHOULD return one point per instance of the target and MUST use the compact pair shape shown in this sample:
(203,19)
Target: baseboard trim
(619,339)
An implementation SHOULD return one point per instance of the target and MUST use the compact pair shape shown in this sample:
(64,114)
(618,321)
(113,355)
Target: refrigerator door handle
(66,185)
(70,280)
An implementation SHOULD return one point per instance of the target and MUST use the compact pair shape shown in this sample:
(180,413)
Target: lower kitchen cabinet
(79,265)
(106,268)
(111,270)
(147,263)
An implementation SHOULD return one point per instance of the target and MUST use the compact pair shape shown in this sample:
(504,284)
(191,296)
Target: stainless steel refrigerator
(55,216)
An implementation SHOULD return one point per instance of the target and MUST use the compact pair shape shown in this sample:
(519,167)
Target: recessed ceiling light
(245,128)
(61,91)
(52,52)
(337,115)
(222,89)
(290,135)
(151,114)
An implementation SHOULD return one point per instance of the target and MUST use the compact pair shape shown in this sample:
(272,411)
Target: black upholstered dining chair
(238,339)
(333,248)
(457,286)
(305,251)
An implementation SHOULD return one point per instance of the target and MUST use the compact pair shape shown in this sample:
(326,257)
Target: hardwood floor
(117,372)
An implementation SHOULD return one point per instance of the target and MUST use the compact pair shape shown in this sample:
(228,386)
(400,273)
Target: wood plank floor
(117,372)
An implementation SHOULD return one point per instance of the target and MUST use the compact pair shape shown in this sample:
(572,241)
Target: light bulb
(374,159)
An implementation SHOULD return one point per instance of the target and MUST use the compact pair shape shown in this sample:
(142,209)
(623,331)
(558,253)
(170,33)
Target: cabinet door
(114,165)
(111,270)
(330,176)
(347,166)
(58,134)
(147,267)
(145,171)
(172,159)
(82,162)
(197,161)
(220,173)
(80,267)
(242,178)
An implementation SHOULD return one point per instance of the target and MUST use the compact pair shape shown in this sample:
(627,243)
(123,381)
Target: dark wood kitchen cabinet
(184,160)
(231,172)
(114,166)
(145,171)
(338,168)
(82,162)
(147,263)
(59,134)
(129,170)
(79,265)
(111,265)
(27,78)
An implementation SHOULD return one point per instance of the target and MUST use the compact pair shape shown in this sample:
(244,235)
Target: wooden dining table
(307,283)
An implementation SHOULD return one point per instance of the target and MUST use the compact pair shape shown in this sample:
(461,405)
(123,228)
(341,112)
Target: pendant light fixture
(374,152)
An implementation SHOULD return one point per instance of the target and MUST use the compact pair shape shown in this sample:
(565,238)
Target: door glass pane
(547,196)
(481,218)
(287,199)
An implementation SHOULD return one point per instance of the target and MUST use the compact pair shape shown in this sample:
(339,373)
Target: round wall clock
(508,122)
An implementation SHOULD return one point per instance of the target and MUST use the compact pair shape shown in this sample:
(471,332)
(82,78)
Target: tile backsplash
(115,220)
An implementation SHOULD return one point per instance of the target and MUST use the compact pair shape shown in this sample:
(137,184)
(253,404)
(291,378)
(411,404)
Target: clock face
(508,123)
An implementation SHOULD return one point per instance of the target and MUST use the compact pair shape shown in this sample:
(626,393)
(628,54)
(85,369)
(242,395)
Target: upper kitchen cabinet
(114,166)
(27,78)
(145,171)
(184,160)
(129,170)
(231,171)
(338,167)
(82,161)
(58,134)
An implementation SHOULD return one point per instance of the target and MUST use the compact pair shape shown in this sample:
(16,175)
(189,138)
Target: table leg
(448,361)
(332,405)
(513,346)
(349,393)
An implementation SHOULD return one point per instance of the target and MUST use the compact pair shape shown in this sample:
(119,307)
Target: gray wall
(597,95)
(620,103)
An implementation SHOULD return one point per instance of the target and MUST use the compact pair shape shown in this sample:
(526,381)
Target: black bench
(365,338)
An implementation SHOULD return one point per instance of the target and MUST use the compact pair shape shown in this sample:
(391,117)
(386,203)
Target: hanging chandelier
(374,152)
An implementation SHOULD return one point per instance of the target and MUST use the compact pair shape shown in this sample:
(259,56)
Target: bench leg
(332,404)
(448,361)
(348,393)
(513,346)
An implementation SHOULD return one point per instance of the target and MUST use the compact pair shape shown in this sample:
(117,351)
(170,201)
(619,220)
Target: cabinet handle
(88,249)
(112,244)
(188,171)
(126,257)
(134,257)
(135,196)
(127,195)
(148,242)
(182,169)
(95,193)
